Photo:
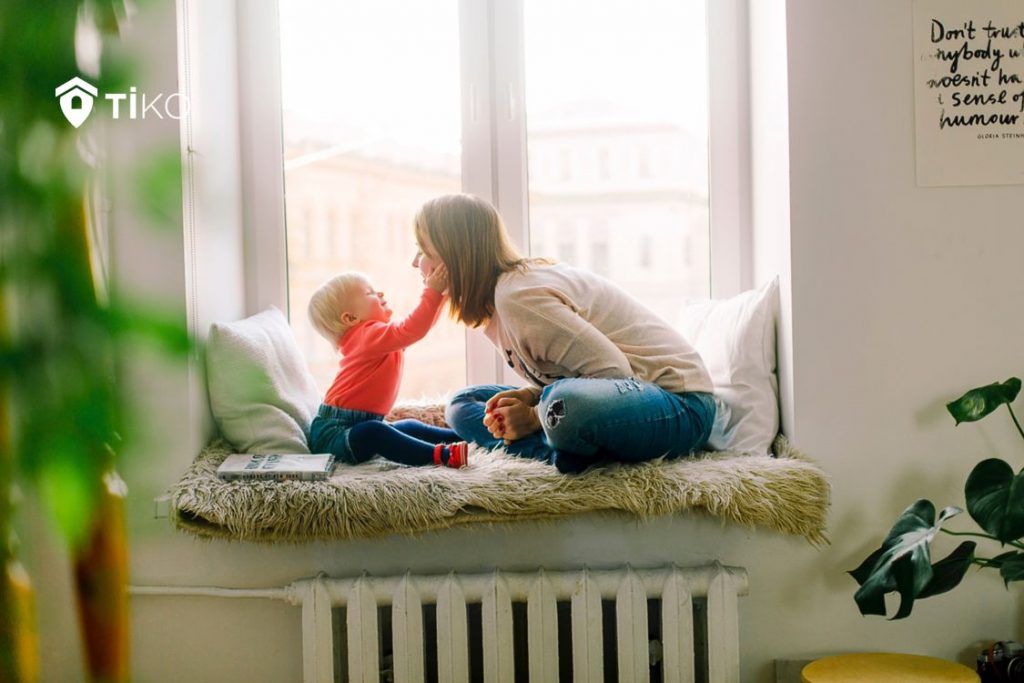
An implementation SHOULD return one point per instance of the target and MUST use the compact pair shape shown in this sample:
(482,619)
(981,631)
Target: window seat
(263,399)
(787,493)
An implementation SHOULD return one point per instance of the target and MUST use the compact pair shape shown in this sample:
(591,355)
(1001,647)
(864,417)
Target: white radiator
(351,648)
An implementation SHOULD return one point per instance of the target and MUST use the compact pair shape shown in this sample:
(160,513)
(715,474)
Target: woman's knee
(468,403)
(566,411)
(463,407)
(565,403)
(466,395)
(454,412)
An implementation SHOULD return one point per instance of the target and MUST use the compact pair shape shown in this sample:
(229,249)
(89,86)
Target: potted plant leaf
(995,501)
(64,415)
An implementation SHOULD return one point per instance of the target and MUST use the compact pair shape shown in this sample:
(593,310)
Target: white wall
(890,286)
(894,291)
(902,298)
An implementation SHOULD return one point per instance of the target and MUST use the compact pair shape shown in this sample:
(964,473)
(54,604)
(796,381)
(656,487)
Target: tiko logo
(76,98)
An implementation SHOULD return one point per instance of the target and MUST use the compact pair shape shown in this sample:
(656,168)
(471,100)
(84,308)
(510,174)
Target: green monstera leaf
(995,499)
(948,572)
(1011,567)
(903,562)
(977,403)
(997,561)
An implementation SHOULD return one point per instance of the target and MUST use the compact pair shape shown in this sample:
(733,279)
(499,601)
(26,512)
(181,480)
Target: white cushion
(736,339)
(262,395)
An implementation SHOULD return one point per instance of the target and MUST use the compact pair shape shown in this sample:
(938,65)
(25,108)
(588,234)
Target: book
(276,466)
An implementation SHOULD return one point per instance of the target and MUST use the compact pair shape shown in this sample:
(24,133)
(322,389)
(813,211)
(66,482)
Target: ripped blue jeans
(623,420)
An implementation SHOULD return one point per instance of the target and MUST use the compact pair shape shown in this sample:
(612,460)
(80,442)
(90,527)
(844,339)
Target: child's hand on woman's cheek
(438,279)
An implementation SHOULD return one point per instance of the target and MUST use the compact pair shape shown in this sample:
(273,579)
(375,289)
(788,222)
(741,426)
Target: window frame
(494,164)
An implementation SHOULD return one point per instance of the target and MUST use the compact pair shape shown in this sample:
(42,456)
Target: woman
(610,379)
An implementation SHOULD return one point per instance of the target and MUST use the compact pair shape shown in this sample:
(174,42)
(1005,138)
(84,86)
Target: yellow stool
(881,667)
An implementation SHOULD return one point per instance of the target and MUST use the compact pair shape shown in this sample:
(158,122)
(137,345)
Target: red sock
(458,455)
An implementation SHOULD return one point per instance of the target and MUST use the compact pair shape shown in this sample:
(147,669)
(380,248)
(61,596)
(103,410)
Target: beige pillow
(262,394)
(736,339)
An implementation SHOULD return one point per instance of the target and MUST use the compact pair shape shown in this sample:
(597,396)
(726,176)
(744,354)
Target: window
(643,162)
(564,165)
(565,114)
(370,104)
(567,251)
(645,260)
(599,258)
(635,78)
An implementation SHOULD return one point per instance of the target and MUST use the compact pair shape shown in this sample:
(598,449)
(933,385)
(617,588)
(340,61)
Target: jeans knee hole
(554,413)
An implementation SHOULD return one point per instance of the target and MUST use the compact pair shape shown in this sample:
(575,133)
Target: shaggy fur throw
(787,493)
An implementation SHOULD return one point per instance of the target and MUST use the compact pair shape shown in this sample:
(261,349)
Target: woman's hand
(438,279)
(510,415)
(527,395)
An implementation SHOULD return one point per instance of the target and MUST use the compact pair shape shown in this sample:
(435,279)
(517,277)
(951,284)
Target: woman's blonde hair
(329,301)
(470,238)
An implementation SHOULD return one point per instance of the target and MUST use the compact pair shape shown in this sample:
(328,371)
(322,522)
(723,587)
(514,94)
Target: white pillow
(736,339)
(262,395)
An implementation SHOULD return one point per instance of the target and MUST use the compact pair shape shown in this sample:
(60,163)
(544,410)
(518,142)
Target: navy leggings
(409,442)
(356,436)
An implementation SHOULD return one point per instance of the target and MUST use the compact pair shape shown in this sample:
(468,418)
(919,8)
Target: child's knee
(364,434)
(363,439)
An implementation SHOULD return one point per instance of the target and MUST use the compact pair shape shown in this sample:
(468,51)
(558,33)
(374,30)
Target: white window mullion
(512,196)
(259,91)
(474,44)
(510,121)
(478,176)
(729,142)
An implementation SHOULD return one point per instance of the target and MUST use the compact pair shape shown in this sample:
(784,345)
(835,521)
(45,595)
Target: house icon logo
(76,98)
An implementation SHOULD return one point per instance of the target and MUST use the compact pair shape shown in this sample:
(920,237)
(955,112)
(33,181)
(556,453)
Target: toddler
(351,314)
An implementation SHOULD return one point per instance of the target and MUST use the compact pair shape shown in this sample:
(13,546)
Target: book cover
(276,466)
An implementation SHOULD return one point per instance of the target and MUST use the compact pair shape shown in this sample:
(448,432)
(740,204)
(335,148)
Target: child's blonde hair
(329,301)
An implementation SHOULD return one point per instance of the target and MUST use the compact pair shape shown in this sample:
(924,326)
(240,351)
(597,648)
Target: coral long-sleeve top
(372,356)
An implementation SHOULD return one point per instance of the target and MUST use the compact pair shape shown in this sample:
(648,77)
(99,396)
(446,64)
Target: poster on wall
(969,92)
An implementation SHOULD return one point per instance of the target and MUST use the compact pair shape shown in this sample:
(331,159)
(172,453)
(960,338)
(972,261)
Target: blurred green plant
(63,415)
(995,500)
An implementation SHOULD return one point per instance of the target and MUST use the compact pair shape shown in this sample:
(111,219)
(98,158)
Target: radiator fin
(587,648)
(452,633)
(317,637)
(363,648)
(499,662)
(542,620)
(723,629)
(631,630)
(407,631)
(677,630)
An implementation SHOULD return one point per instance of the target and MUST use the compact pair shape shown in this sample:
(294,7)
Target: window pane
(617,101)
(370,93)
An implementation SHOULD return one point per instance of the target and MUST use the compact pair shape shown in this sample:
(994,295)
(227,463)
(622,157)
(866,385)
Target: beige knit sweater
(557,321)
